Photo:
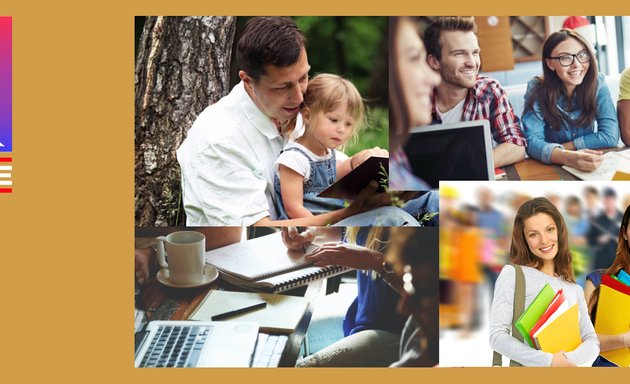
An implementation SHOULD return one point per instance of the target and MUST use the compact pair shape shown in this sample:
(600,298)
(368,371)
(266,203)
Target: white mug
(186,256)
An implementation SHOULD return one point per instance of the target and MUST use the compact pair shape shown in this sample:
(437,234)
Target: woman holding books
(540,246)
(592,288)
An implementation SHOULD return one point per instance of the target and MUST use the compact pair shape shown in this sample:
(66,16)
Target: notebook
(264,264)
(624,277)
(613,312)
(349,186)
(197,344)
(561,333)
(530,316)
(461,151)
(557,306)
(281,315)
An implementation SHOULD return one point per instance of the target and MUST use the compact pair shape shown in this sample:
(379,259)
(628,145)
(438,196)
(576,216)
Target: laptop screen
(460,151)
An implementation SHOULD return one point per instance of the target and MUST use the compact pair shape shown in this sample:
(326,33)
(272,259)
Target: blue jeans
(397,217)
(422,207)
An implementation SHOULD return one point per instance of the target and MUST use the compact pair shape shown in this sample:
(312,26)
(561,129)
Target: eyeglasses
(567,60)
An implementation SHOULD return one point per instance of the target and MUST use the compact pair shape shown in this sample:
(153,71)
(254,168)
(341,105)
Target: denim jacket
(323,174)
(541,139)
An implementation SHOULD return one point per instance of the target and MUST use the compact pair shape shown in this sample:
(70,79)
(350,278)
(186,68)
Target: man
(623,106)
(591,197)
(463,95)
(490,221)
(227,158)
(603,232)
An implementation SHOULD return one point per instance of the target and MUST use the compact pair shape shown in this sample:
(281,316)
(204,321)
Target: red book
(615,284)
(551,309)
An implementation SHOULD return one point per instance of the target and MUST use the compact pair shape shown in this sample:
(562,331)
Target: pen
(235,312)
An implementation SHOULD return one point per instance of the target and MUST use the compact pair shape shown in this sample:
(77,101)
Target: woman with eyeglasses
(565,105)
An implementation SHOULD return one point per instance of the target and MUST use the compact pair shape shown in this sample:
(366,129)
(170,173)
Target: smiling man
(463,95)
(227,158)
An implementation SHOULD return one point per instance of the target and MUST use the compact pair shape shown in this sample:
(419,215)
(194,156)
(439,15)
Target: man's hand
(368,199)
(143,259)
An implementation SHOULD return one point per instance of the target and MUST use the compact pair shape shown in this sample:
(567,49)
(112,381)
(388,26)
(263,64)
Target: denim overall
(323,174)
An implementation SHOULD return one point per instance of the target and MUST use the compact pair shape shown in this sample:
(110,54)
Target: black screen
(451,154)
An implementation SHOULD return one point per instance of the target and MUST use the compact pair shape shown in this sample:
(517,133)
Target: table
(531,169)
(166,303)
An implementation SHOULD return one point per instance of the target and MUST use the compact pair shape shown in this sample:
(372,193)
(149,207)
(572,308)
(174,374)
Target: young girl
(333,111)
(591,291)
(540,246)
(562,106)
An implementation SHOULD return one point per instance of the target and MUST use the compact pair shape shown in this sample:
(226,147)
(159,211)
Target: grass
(375,134)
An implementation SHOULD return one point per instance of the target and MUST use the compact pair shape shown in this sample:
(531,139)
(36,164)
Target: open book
(613,163)
(264,264)
(349,186)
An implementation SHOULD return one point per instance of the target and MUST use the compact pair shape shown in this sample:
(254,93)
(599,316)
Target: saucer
(210,276)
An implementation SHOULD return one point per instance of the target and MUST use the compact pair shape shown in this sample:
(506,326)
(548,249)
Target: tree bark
(182,67)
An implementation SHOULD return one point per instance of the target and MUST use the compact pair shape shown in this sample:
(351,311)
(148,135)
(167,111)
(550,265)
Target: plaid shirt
(487,100)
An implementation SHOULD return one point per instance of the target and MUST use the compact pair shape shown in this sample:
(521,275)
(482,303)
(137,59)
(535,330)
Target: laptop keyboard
(269,350)
(176,346)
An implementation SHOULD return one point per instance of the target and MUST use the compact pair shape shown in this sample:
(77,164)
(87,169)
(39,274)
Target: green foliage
(375,134)
(349,46)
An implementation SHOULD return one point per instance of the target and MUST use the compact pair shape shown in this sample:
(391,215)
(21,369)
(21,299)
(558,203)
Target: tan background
(66,231)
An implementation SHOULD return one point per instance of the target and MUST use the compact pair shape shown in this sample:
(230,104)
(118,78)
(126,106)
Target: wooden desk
(531,169)
(166,303)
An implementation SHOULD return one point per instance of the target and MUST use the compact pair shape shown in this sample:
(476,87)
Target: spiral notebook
(264,264)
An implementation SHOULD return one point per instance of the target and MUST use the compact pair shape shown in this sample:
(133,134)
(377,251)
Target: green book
(528,319)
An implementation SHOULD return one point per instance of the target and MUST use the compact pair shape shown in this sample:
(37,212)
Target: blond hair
(324,94)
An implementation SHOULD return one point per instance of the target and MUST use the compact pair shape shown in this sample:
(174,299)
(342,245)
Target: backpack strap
(519,307)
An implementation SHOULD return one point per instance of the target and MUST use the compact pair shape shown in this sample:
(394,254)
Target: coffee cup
(185,251)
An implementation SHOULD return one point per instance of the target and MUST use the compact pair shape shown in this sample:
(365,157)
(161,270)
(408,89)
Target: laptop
(461,151)
(187,343)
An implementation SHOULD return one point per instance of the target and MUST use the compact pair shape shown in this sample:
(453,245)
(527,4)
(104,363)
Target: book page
(613,162)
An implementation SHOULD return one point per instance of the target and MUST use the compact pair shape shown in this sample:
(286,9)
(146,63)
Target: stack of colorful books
(613,313)
(550,324)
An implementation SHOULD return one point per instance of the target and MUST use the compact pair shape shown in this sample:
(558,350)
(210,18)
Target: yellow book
(562,334)
(621,176)
(613,317)
(281,315)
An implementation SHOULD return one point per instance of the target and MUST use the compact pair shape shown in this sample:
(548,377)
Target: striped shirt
(487,100)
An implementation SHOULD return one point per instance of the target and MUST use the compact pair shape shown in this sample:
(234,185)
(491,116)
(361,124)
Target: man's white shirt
(227,163)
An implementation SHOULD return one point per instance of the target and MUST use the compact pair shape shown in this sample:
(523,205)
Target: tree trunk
(182,67)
